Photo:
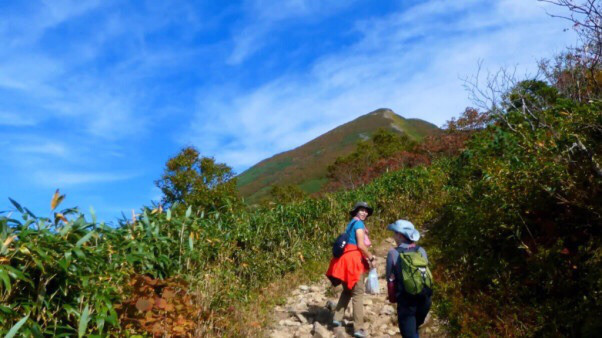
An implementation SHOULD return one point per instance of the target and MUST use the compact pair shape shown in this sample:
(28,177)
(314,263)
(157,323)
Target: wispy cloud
(95,81)
(16,120)
(101,112)
(45,148)
(265,17)
(410,61)
(20,30)
(67,179)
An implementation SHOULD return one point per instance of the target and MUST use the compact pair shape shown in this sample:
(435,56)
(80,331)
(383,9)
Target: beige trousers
(357,294)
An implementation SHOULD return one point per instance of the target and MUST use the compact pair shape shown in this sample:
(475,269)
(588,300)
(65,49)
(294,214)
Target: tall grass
(67,276)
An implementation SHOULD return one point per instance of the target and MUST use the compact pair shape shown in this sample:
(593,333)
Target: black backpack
(338,247)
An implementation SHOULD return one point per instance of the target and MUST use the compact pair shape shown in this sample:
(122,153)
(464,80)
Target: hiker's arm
(391,257)
(359,235)
(390,275)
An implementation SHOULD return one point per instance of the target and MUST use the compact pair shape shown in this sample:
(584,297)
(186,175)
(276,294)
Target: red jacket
(348,268)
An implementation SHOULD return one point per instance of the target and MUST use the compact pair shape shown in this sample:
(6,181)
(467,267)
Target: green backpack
(415,272)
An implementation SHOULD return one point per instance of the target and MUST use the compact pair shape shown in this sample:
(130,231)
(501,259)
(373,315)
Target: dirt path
(306,312)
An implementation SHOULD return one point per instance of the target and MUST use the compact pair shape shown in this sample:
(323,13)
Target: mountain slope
(307,165)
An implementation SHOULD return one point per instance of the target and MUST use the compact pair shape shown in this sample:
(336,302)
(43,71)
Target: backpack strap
(411,249)
(349,227)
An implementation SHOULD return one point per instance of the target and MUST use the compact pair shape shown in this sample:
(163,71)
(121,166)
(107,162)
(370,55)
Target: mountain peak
(307,164)
(386,112)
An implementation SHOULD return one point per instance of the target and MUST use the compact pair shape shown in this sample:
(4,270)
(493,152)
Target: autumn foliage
(159,307)
(387,151)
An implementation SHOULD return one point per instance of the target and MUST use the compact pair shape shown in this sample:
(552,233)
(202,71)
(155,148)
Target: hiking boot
(336,323)
(360,334)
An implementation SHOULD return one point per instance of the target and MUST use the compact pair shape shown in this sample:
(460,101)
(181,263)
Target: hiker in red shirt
(351,267)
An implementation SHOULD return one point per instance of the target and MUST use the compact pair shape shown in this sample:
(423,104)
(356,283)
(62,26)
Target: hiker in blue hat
(408,259)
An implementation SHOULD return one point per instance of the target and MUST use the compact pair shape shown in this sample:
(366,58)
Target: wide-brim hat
(405,228)
(358,205)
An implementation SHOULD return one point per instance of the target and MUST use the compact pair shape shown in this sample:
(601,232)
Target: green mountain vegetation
(508,199)
(307,165)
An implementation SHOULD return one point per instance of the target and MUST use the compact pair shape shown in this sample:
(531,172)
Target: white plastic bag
(372,283)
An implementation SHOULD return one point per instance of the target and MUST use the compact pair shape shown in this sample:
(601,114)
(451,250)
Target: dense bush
(523,222)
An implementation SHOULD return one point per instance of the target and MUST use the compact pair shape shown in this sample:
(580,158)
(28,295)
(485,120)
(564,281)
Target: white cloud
(96,82)
(247,42)
(16,119)
(73,86)
(263,17)
(64,179)
(45,148)
(411,62)
(28,72)
(102,113)
(20,30)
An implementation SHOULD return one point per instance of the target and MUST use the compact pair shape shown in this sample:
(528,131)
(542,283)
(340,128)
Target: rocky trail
(307,311)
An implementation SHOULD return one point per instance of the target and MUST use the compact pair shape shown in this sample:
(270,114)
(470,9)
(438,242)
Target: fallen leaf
(168,294)
(160,303)
(144,304)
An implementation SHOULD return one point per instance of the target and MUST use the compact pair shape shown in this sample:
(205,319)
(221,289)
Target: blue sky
(97,95)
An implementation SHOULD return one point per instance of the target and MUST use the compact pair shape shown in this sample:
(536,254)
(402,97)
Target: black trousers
(411,313)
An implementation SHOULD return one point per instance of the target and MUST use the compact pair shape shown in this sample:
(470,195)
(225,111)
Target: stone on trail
(299,307)
(303,332)
(288,322)
(320,331)
(279,334)
(387,310)
(314,288)
(339,332)
(428,319)
(319,299)
(304,288)
(301,317)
